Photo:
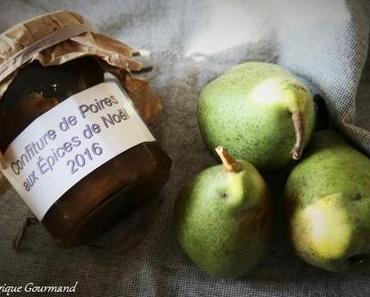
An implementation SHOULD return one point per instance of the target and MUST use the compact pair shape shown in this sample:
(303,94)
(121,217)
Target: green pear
(328,205)
(222,218)
(261,112)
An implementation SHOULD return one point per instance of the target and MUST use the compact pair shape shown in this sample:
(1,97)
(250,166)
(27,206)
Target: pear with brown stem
(223,218)
(260,111)
(327,198)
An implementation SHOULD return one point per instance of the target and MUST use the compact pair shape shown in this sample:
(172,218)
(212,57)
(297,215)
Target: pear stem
(230,164)
(297,118)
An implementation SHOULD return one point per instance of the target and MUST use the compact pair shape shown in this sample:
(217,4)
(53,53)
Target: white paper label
(71,140)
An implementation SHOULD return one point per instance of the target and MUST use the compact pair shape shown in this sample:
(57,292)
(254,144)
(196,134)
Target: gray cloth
(192,42)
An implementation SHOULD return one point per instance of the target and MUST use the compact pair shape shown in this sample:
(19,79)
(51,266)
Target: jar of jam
(125,181)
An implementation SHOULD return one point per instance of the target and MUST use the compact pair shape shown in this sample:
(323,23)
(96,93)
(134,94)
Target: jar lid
(19,43)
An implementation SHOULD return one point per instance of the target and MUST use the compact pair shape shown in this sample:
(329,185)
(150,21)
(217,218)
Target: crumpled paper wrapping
(59,37)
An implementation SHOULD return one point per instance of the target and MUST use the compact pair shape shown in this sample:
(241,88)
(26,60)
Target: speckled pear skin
(249,110)
(328,205)
(222,220)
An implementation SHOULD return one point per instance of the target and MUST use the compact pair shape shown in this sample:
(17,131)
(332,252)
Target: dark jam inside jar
(112,191)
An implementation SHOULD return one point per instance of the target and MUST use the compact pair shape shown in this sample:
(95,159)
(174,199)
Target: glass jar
(117,188)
